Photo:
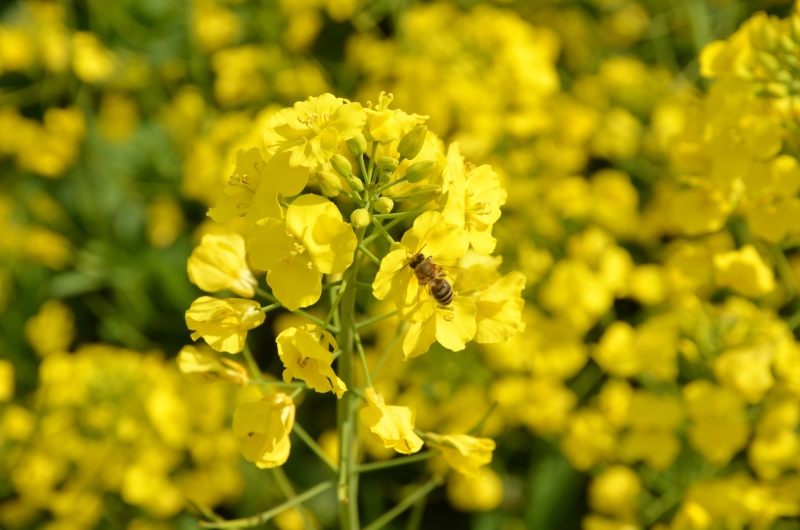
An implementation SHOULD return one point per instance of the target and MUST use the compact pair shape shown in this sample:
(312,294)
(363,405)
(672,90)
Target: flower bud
(360,218)
(341,165)
(384,177)
(354,183)
(329,183)
(411,144)
(357,145)
(384,205)
(387,163)
(420,170)
(425,193)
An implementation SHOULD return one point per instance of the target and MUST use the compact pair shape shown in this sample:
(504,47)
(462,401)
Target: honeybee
(430,274)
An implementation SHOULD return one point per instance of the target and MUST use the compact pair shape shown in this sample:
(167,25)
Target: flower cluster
(368,161)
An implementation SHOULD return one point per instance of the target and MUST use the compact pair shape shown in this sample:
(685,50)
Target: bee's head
(415,260)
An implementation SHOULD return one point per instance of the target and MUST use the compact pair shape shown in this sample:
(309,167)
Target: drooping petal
(391,425)
(223,323)
(262,429)
(306,355)
(419,338)
(295,285)
(268,243)
(466,454)
(455,326)
(499,308)
(219,263)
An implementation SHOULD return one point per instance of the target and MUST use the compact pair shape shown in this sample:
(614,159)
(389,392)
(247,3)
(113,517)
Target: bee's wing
(456,273)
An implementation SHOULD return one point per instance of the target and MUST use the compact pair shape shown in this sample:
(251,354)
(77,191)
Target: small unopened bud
(387,163)
(425,193)
(360,218)
(420,170)
(384,177)
(384,205)
(341,165)
(354,183)
(357,145)
(329,183)
(411,144)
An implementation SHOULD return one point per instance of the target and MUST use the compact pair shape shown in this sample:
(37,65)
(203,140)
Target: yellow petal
(419,338)
(392,425)
(268,244)
(456,325)
(295,284)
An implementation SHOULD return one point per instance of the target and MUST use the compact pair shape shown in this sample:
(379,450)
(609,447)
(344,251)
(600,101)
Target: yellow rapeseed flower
(384,125)
(615,491)
(481,495)
(223,323)
(257,183)
(262,429)
(219,263)
(432,236)
(464,453)
(474,199)
(92,62)
(52,329)
(391,425)
(314,129)
(311,241)
(719,427)
(307,354)
(201,365)
(744,271)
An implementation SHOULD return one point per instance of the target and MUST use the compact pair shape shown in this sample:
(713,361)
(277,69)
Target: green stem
(406,503)
(379,227)
(376,235)
(335,304)
(368,322)
(357,200)
(415,518)
(390,184)
(312,318)
(364,175)
(270,307)
(252,365)
(314,446)
(478,426)
(263,517)
(362,357)
(396,215)
(371,162)
(347,405)
(369,254)
(283,482)
(394,462)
